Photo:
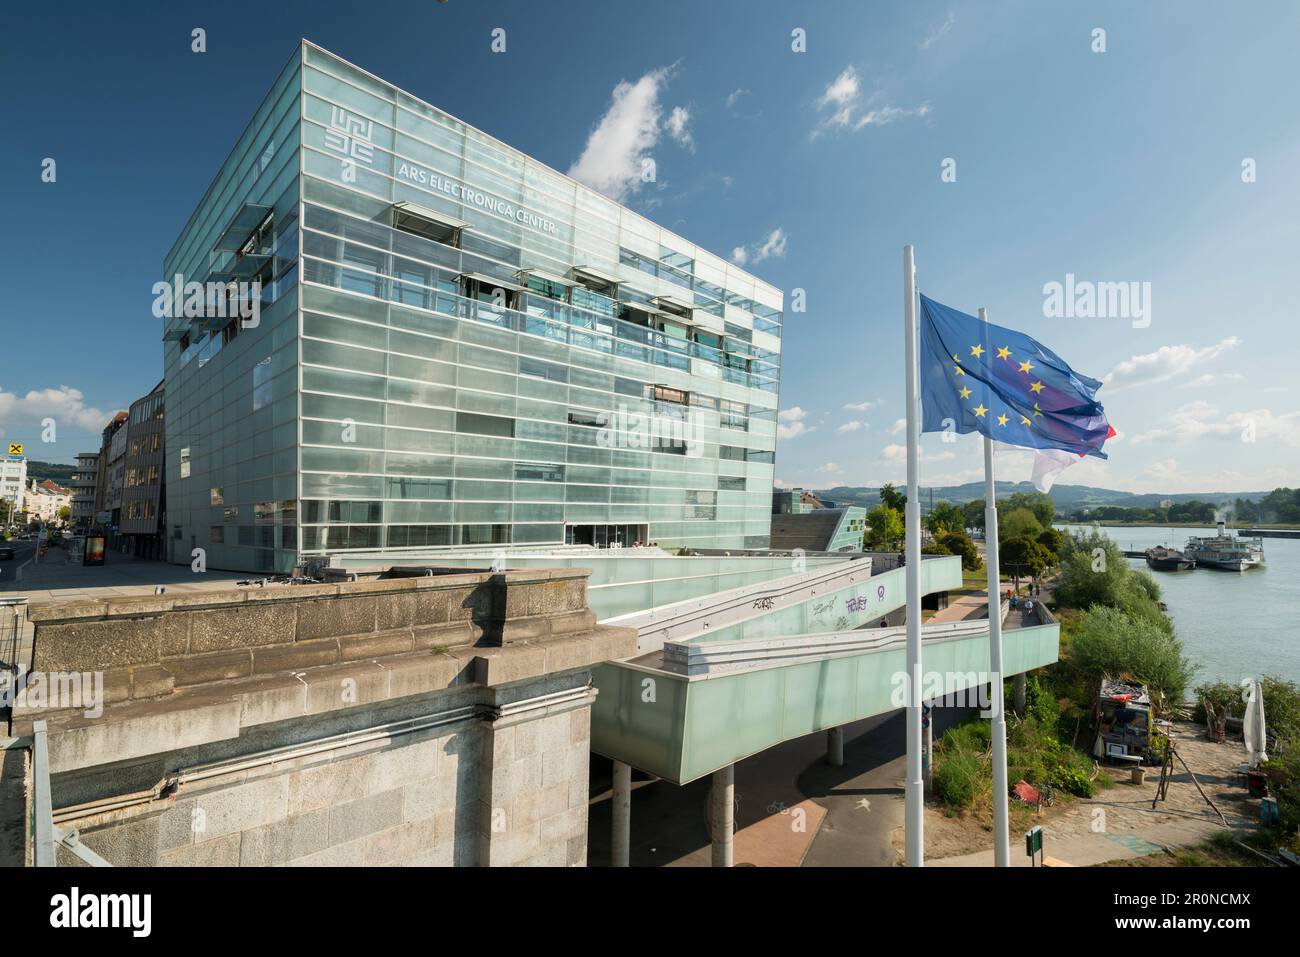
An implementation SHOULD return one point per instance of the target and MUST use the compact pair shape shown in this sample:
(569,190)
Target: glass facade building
(456,346)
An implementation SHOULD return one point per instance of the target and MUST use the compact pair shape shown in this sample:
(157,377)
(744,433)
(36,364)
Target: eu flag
(978,377)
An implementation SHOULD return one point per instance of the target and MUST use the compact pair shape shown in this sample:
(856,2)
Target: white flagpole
(914,816)
(1001,812)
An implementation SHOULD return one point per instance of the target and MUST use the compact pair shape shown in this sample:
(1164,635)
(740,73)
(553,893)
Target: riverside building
(456,347)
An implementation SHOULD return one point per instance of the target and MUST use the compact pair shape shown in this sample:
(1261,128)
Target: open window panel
(596,280)
(428,223)
(489,289)
(546,283)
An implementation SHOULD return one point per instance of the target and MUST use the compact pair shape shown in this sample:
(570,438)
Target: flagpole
(1001,812)
(914,816)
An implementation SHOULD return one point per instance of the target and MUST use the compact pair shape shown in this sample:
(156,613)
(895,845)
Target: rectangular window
(593,419)
(185,465)
(217,495)
(262,384)
(231,514)
(661,393)
(424,226)
(477,424)
(216,534)
(528,472)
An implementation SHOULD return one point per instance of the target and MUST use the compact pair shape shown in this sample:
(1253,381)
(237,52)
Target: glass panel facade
(462,381)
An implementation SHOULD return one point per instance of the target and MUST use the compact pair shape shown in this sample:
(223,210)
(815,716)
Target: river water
(1233,624)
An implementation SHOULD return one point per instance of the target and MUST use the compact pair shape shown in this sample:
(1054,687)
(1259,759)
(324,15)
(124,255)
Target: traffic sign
(15,448)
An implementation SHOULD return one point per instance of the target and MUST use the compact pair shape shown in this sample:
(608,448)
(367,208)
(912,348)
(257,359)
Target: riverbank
(1118,825)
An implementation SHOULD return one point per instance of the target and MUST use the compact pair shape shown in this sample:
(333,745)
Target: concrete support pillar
(1020,695)
(723,817)
(620,845)
(835,747)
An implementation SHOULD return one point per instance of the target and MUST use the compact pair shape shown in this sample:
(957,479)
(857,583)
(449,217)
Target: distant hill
(59,473)
(1068,498)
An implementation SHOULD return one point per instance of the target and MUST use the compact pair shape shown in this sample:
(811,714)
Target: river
(1233,624)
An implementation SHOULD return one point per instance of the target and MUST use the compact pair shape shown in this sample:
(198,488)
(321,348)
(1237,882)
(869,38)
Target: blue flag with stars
(978,377)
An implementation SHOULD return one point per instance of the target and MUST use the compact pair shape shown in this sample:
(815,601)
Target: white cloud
(65,405)
(773,247)
(1165,363)
(1209,378)
(830,468)
(854,426)
(620,143)
(899,426)
(1199,419)
(790,423)
(943,28)
(898,453)
(859,406)
(841,104)
(735,96)
(841,96)
(678,127)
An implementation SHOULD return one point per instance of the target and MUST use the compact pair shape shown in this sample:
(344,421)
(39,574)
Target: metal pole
(1001,811)
(914,812)
(620,851)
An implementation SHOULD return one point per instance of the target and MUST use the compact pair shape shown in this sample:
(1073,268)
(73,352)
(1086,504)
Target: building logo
(15,448)
(351,136)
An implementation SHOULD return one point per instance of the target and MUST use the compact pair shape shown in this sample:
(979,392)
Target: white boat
(1225,551)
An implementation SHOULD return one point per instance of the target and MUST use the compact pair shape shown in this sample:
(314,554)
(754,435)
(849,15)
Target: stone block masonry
(441,720)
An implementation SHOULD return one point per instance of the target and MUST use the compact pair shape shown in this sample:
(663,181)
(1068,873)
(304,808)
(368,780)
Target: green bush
(1109,641)
(955,777)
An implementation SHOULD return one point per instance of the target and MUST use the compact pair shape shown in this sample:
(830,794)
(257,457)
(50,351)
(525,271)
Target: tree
(886,527)
(1023,556)
(974,513)
(959,543)
(1110,642)
(1053,540)
(1039,503)
(892,497)
(1017,523)
(1093,571)
(65,513)
(946,517)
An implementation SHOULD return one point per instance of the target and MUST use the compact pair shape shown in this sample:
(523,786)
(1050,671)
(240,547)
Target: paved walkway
(53,579)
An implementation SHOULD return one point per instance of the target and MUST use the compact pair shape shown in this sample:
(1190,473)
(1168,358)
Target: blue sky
(815,167)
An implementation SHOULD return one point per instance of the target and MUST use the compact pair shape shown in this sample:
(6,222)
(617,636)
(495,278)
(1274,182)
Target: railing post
(43,808)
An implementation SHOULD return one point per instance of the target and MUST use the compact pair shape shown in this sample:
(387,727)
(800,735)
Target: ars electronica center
(463,358)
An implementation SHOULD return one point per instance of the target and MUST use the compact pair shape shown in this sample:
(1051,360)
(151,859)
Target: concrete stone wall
(470,752)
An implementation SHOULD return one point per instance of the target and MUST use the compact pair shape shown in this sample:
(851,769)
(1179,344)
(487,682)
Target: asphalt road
(23,552)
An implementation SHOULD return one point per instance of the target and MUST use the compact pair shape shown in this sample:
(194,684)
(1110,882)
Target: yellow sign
(15,448)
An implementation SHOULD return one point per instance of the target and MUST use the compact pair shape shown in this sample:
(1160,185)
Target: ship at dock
(1225,551)
(1164,559)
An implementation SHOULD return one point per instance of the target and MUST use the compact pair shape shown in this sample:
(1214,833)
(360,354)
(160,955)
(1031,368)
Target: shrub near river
(1111,624)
